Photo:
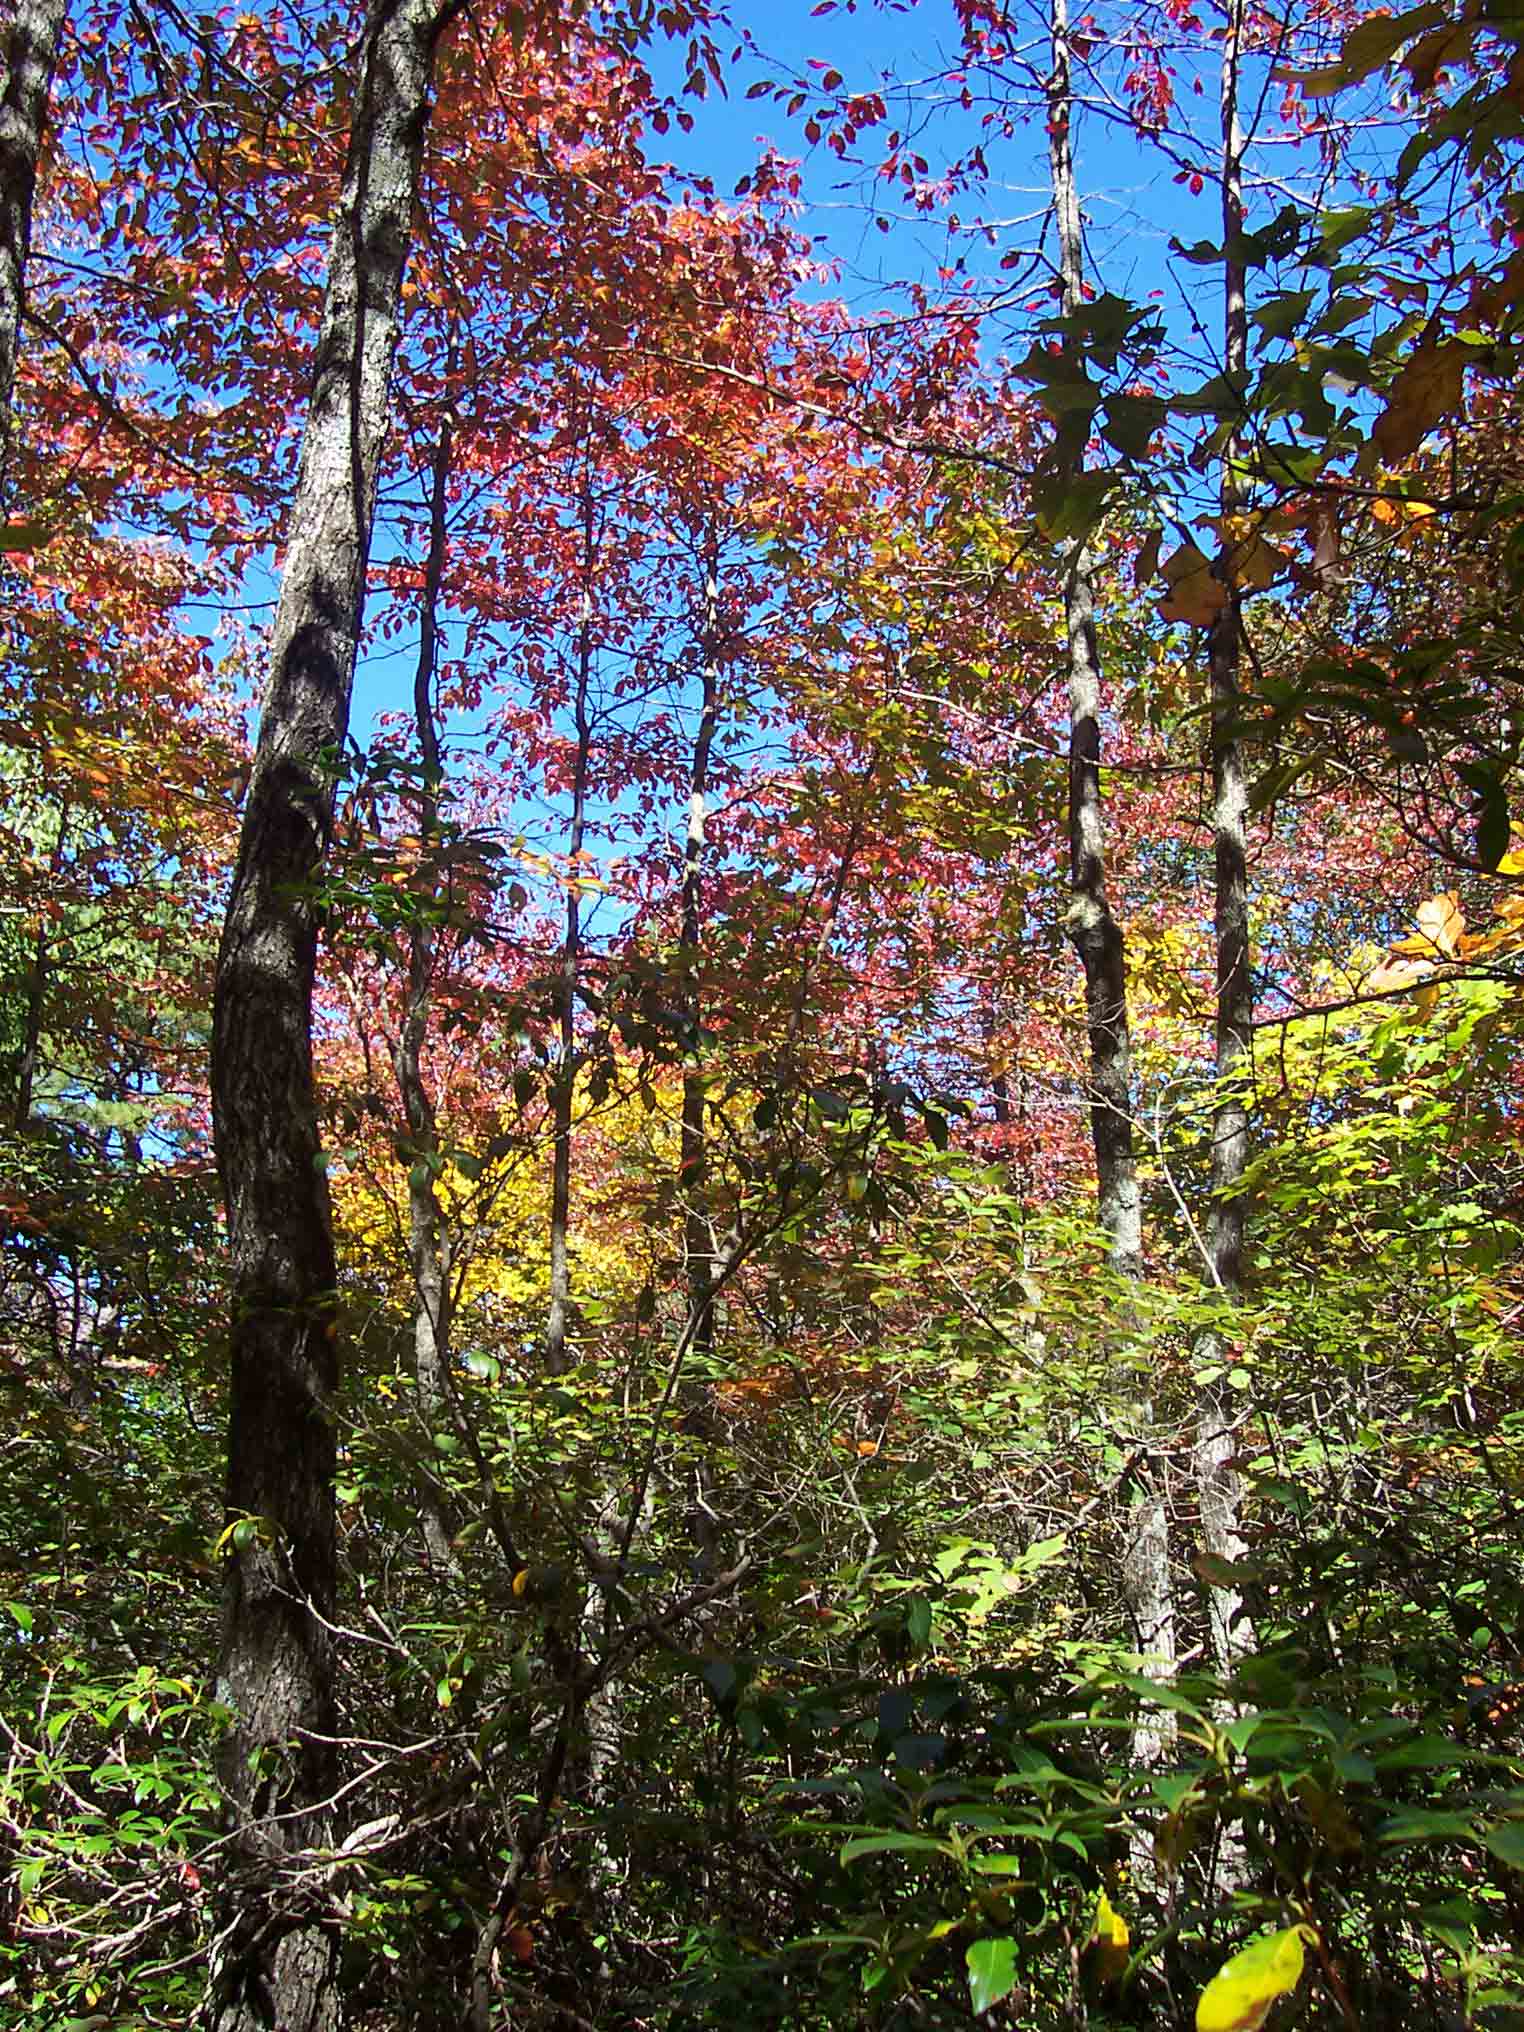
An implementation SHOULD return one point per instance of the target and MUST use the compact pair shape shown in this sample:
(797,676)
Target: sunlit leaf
(991,1972)
(1239,1996)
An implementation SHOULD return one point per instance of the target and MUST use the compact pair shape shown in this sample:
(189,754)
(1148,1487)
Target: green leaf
(1222,396)
(1421,1823)
(1100,325)
(1369,46)
(1131,421)
(991,1972)
(1506,1842)
(20,1614)
(1336,229)
(893,1844)
(1422,1753)
(1070,505)
(1279,318)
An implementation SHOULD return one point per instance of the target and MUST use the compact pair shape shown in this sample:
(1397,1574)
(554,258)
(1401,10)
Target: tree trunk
(564,1094)
(428,1241)
(34,1008)
(1097,938)
(1219,1490)
(274,1957)
(698,1233)
(31,49)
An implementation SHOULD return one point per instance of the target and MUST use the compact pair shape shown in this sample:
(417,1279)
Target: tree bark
(34,1008)
(274,1959)
(31,50)
(698,1233)
(428,1241)
(564,1094)
(1097,938)
(1218,1486)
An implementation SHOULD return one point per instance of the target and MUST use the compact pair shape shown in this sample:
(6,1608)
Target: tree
(276,1952)
(1094,931)
(30,53)
(1216,1478)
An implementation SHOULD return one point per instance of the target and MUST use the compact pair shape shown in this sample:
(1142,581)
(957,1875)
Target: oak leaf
(1428,387)
(1196,596)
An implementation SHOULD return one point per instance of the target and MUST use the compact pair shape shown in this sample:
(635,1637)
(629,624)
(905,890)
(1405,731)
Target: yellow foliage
(1108,1943)
(499,1223)
(1239,1996)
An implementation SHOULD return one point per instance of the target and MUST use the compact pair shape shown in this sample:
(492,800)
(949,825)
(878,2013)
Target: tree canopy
(761,1016)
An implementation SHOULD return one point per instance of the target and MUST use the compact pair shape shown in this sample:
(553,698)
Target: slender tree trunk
(698,1231)
(1097,938)
(274,1959)
(34,1008)
(564,1096)
(1000,1084)
(428,1241)
(1219,1490)
(31,50)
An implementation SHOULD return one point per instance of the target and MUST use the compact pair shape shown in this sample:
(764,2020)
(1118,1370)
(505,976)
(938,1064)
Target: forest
(761,1015)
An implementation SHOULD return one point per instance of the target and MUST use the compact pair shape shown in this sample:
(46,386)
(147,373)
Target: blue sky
(1133,203)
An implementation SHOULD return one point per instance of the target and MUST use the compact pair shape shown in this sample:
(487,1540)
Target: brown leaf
(1195,595)
(1325,541)
(1257,564)
(1148,557)
(1430,386)
(1449,44)
(1440,925)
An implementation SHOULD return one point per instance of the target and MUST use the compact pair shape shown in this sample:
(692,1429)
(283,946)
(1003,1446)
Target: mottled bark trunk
(698,1231)
(604,1750)
(564,1093)
(1218,1487)
(274,1958)
(31,50)
(428,1240)
(1098,940)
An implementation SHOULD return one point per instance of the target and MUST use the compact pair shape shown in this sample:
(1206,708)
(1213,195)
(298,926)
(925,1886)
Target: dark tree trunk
(1097,938)
(1218,1488)
(31,49)
(274,1960)
(564,1093)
